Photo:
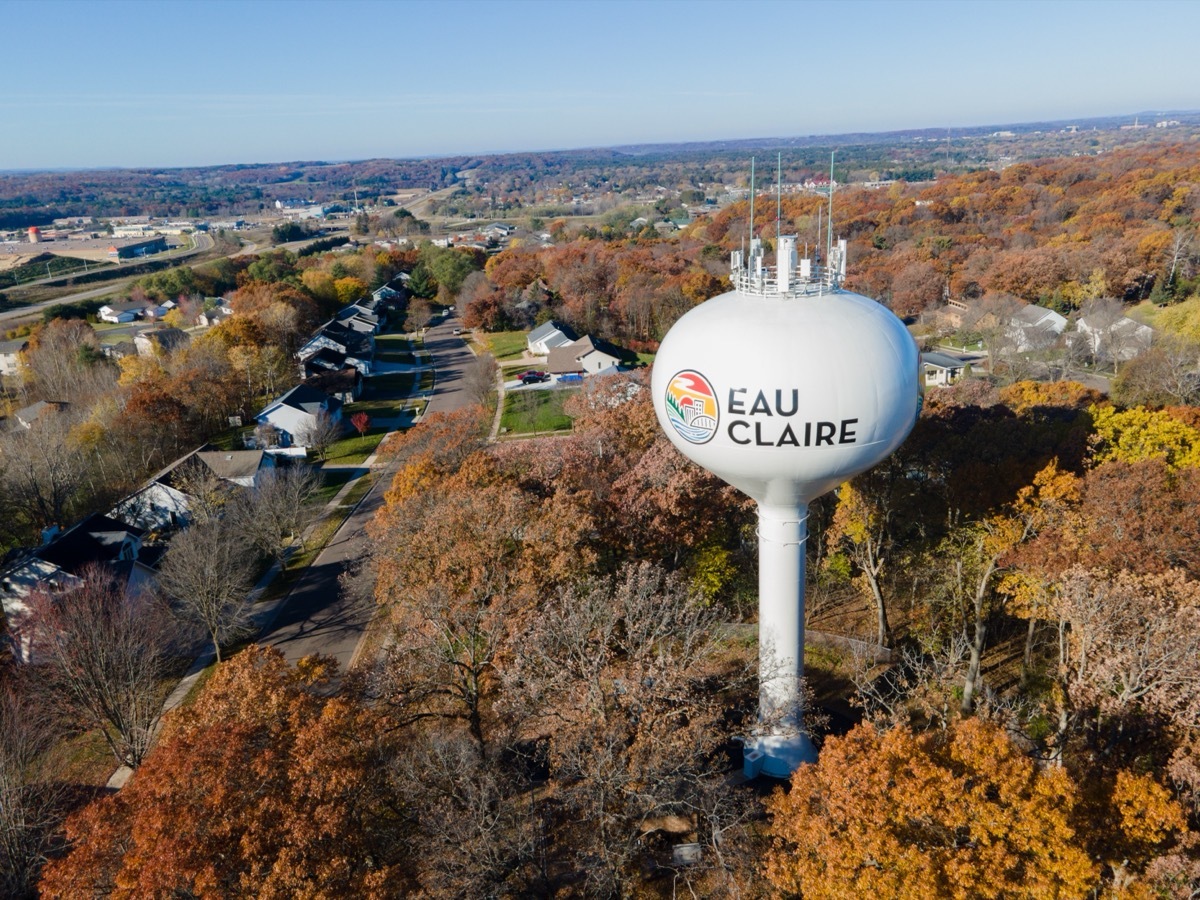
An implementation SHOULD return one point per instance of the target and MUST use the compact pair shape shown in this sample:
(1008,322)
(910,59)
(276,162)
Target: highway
(203,242)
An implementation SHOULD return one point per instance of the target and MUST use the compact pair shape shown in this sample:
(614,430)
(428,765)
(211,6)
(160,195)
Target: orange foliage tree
(266,787)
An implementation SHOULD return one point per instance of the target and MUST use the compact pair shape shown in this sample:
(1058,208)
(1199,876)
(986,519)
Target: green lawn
(392,343)
(377,409)
(531,412)
(231,438)
(331,482)
(354,448)
(505,344)
(395,384)
(404,356)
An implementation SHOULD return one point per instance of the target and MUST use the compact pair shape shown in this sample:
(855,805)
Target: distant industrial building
(108,249)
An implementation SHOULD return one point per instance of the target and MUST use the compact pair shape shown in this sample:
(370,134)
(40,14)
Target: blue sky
(172,83)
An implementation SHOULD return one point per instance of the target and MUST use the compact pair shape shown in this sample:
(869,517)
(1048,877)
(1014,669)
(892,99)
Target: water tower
(785,387)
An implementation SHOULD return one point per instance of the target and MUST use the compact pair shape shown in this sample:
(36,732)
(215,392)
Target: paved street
(322,614)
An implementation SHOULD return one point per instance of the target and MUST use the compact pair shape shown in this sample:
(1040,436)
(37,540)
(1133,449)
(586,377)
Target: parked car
(532,373)
(532,378)
(571,378)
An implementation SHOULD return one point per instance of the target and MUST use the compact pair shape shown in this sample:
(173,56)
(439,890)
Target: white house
(941,368)
(1035,328)
(297,412)
(214,316)
(1119,340)
(546,337)
(10,355)
(118,313)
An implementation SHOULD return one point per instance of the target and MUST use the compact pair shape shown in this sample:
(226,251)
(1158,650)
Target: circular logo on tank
(691,405)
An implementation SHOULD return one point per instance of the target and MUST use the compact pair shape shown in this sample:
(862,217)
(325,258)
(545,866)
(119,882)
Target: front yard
(503,344)
(534,412)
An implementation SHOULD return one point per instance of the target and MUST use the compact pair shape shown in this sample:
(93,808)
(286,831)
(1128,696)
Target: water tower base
(776,755)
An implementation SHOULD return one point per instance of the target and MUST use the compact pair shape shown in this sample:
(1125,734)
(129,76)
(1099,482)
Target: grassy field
(355,448)
(1145,312)
(504,344)
(533,412)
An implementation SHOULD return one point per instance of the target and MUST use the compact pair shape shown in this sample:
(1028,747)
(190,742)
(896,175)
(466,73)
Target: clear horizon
(162,85)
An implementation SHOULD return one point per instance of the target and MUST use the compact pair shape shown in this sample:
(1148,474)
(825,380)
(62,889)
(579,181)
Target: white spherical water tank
(785,387)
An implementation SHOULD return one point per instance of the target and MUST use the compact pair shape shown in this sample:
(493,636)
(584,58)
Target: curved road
(324,613)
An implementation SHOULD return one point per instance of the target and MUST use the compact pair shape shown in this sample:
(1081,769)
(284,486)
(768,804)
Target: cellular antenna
(751,228)
(829,224)
(778,202)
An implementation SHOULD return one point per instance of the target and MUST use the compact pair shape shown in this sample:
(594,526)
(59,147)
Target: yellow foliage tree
(1138,434)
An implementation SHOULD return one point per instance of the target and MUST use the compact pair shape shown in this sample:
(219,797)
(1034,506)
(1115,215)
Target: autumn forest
(1003,668)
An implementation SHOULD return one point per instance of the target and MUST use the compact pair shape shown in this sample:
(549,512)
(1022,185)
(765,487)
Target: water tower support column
(782,744)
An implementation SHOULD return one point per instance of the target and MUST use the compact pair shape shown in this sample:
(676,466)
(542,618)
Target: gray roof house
(941,368)
(546,337)
(588,356)
(160,340)
(297,411)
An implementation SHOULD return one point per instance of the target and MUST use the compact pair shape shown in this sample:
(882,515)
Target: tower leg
(781,745)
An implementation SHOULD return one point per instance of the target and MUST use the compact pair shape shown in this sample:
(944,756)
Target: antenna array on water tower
(786,387)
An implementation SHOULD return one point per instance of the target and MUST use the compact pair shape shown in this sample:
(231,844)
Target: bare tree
(207,492)
(617,677)
(32,792)
(1168,374)
(44,472)
(481,378)
(276,510)
(321,434)
(64,361)
(443,667)
(206,576)
(106,655)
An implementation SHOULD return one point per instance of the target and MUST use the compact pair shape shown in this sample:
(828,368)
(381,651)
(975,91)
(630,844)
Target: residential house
(214,316)
(358,317)
(10,356)
(586,356)
(345,385)
(324,360)
(1116,339)
(386,293)
(120,350)
(127,311)
(358,347)
(160,341)
(941,368)
(57,565)
(546,337)
(30,415)
(1035,328)
(166,500)
(297,412)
